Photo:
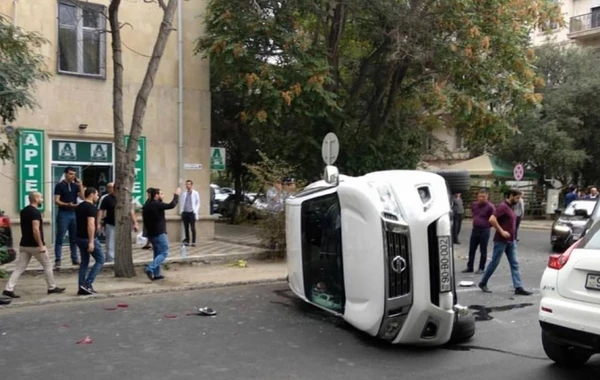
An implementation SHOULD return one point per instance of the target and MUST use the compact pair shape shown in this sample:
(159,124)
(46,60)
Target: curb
(533,227)
(239,242)
(203,259)
(175,289)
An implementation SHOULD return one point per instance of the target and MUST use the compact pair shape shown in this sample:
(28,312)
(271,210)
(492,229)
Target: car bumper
(413,331)
(571,322)
(571,337)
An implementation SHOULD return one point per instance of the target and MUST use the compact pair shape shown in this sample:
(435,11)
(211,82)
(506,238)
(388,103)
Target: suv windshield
(580,205)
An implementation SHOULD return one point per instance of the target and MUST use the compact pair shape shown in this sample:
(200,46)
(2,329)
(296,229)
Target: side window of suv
(322,252)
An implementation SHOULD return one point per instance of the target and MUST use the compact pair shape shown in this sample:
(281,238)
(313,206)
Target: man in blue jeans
(87,241)
(153,214)
(480,234)
(65,198)
(504,222)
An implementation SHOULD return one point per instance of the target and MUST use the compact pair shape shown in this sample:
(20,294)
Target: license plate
(445,250)
(593,281)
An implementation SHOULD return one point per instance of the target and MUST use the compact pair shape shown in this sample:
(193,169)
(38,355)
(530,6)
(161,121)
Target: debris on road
(86,340)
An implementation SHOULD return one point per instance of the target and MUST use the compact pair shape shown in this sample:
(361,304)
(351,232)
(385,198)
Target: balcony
(586,26)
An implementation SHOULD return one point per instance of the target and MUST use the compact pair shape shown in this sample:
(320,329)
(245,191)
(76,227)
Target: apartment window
(81,38)
(459,143)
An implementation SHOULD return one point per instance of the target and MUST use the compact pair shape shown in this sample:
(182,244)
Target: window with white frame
(459,143)
(81,38)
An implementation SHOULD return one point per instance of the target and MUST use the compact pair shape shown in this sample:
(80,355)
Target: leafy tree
(126,154)
(559,140)
(377,73)
(21,67)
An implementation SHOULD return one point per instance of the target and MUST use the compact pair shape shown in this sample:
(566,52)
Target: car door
(579,278)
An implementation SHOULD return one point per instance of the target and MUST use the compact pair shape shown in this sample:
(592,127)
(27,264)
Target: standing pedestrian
(153,214)
(458,213)
(571,195)
(189,209)
(106,220)
(87,241)
(504,222)
(593,193)
(275,199)
(32,245)
(519,210)
(65,198)
(482,210)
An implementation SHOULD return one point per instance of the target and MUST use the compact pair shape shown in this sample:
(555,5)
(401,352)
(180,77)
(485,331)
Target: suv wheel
(563,355)
(463,329)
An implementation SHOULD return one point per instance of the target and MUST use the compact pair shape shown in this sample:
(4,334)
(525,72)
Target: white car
(570,307)
(377,251)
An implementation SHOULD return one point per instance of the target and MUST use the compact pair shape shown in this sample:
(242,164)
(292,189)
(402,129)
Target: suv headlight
(387,199)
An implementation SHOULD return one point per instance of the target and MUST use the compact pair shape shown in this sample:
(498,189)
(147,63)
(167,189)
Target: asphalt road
(264,332)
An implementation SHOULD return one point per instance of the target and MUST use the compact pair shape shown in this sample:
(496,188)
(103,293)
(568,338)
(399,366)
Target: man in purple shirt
(504,222)
(480,235)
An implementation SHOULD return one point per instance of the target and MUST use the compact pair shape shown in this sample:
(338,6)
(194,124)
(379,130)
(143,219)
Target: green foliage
(381,74)
(559,139)
(21,67)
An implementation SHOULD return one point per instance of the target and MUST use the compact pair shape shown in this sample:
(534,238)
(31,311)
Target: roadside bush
(272,226)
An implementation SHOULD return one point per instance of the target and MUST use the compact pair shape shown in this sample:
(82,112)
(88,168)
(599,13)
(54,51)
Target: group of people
(573,193)
(84,215)
(505,219)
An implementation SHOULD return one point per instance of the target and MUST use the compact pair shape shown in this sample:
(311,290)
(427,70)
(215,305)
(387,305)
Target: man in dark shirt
(87,241)
(65,198)
(106,220)
(504,222)
(480,234)
(32,245)
(153,214)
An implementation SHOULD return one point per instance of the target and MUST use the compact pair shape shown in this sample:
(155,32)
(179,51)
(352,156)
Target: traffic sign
(518,172)
(330,148)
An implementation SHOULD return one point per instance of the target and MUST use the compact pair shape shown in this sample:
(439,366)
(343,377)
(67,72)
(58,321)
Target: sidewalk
(178,277)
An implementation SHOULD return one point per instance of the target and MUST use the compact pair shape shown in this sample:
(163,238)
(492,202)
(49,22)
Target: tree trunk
(125,156)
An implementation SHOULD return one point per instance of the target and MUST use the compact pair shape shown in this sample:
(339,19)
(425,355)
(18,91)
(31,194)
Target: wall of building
(67,101)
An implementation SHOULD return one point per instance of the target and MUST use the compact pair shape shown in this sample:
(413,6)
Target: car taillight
(559,261)
(4,221)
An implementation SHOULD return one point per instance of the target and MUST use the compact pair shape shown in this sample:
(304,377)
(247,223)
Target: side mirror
(581,212)
(331,175)
(558,211)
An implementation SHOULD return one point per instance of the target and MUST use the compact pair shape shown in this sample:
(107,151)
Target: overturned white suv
(377,251)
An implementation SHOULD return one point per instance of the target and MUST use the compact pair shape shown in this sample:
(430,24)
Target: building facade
(73,125)
(582,25)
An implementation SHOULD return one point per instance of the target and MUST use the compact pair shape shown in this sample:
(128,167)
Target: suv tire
(563,355)
(459,181)
(463,329)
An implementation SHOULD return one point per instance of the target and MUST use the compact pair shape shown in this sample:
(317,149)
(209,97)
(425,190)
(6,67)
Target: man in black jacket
(153,214)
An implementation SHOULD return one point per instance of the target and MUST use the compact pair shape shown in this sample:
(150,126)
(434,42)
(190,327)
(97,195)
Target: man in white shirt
(189,207)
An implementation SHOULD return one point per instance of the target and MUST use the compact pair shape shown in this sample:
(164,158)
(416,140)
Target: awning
(487,165)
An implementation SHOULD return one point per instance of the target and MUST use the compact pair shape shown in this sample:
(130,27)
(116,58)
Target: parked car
(571,224)
(570,306)
(7,253)
(377,251)
(254,208)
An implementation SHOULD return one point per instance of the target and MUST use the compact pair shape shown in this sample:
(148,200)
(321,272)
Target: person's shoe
(150,275)
(57,265)
(75,263)
(56,290)
(84,291)
(522,292)
(467,270)
(479,271)
(484,288)
(159,277)
(193,244)
(5,301)
(147,246)
(10,294)
(457,242)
